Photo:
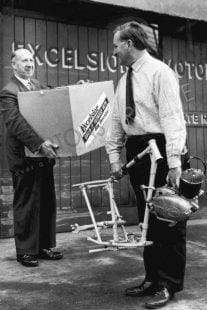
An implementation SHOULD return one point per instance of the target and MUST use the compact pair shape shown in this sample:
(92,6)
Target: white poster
(91,125)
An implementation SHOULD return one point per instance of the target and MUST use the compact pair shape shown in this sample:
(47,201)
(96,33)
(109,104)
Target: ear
(130,43)
(13,64)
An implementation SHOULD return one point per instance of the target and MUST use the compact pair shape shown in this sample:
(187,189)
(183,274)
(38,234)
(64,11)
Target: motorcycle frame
(119,242)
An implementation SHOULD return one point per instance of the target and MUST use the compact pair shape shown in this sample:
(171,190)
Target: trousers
(165,260)
(34,207)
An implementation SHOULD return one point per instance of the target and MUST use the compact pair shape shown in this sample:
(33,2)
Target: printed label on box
(92,124)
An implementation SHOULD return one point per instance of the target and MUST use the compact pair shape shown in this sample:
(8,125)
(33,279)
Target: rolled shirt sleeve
(158,110)
(115,135)
(171,115)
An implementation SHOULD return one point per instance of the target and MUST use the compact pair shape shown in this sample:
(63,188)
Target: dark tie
(130,105)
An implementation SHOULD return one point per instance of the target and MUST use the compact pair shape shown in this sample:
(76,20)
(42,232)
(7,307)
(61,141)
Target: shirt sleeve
(171,115)
(115,136)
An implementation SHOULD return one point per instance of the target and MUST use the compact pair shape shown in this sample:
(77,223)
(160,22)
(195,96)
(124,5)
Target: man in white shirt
(148,106)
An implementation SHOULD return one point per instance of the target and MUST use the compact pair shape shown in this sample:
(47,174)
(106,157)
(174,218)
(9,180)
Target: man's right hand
(116,171)
(173,177)
(48,149)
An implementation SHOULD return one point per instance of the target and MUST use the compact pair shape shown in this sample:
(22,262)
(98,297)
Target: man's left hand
(173,177)
(48,149)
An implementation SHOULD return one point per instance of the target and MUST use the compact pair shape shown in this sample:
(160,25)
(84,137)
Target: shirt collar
(23,81)
(137,64)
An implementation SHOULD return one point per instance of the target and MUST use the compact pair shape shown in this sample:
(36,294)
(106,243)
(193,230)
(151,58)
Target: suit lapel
(22,87)
(19,84)
(35,84)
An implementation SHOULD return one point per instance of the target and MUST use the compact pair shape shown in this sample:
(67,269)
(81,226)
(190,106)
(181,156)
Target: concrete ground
(96,281)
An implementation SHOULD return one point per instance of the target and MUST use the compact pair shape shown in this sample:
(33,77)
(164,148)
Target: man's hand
(84,81)
(173,177)
(116,172)
(48,149)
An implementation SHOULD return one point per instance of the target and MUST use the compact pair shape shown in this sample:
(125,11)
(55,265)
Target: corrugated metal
(191,9)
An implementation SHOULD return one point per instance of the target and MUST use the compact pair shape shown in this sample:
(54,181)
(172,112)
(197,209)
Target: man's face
(23,64)
(121,49)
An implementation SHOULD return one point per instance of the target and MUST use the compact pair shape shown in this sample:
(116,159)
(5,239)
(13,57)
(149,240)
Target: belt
(41,161)
(145,137)
(32,163)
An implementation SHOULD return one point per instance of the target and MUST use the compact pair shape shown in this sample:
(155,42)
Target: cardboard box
(75,117)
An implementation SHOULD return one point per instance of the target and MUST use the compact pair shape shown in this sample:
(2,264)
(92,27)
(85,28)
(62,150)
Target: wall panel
(188,59)
(93,75)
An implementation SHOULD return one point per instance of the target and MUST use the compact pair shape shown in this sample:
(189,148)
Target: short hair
(134,32)
(14,53)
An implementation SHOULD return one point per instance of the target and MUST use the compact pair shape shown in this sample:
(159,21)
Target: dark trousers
(165,260)
(34,208)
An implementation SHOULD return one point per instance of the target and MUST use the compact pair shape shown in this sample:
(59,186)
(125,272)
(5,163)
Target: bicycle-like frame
(116,220)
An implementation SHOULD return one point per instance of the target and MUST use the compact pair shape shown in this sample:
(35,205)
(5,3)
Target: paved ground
(83,281)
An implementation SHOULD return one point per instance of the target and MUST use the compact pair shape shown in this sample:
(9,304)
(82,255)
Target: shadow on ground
(94,281)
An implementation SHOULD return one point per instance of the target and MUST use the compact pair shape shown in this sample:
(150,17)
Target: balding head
(22,63)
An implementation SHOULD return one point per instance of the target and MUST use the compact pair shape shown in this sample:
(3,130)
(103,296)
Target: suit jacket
(19,132)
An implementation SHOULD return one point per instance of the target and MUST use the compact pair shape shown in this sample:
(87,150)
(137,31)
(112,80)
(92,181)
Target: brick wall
(6,212)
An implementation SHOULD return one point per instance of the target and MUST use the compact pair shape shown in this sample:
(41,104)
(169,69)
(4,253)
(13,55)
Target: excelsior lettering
(69,58)
(96,121)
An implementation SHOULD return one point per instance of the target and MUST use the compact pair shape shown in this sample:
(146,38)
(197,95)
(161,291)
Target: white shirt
(158,109)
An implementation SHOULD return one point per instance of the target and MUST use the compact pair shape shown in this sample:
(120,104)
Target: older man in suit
(34,202)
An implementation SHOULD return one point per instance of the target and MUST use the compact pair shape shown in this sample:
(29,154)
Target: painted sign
(190,70)
(196,119)
(70,58)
